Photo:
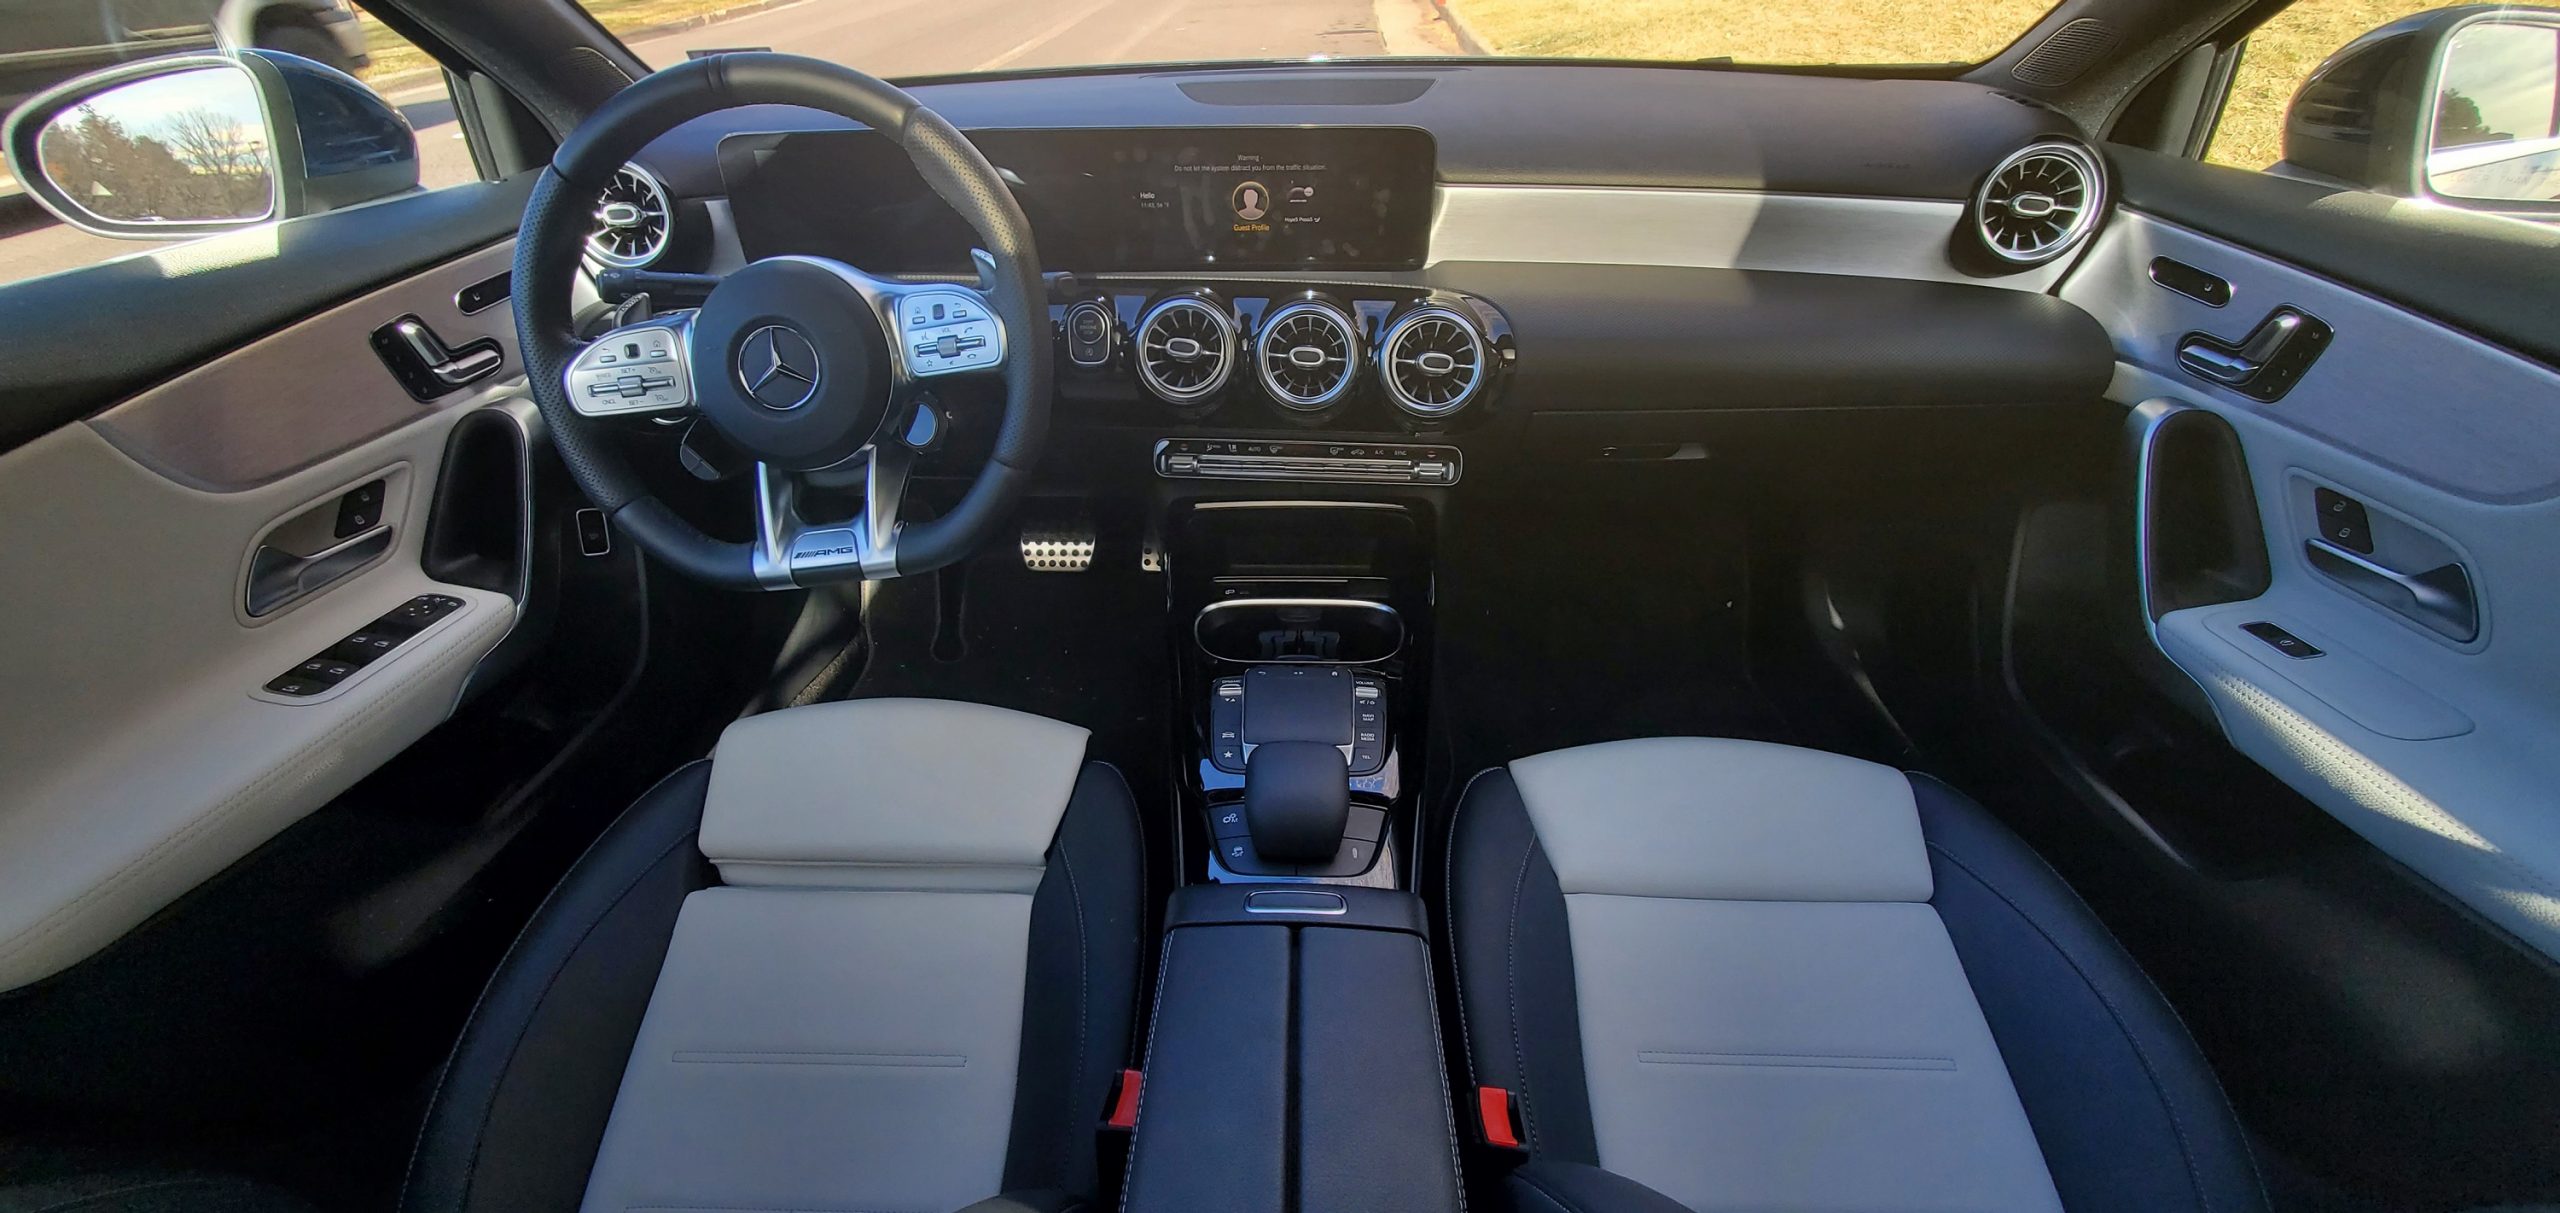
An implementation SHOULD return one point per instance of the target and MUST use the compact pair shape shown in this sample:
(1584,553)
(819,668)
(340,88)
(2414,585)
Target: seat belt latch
(1498,1117)
(1124,1102)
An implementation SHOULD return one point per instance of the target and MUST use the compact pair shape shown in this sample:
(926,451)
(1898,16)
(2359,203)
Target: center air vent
(2040,202)
(1186,348)
(632,221)
(1432,361)
(1305,354)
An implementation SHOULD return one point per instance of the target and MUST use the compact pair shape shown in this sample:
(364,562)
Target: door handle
(452,368)
(425,365)
(2263,365)
(2441,598)
(278,577)
(2223,362)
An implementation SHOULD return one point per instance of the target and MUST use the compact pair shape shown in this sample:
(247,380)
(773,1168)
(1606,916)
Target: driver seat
(878,954)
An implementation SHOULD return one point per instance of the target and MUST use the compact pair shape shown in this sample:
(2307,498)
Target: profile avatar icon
(1251,201)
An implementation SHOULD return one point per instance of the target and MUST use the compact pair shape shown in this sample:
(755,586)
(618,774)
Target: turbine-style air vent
(1186,348)
(1305,354)
(632,221)
(2040,202)
(1432,361)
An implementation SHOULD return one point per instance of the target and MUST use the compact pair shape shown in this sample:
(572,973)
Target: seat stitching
(1449,913)
(2186,1148)
(1547,1192)
(1440,1049)
(1084,1010)
(1138,1115)
(1511,969)
(91,1199)
(472,1165)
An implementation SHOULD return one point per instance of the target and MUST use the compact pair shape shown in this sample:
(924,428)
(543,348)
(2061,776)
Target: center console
(1306,624)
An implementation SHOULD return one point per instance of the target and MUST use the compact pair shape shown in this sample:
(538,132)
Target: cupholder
(1325,631)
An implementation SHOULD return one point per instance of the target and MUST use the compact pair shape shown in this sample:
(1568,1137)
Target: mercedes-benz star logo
(778,367)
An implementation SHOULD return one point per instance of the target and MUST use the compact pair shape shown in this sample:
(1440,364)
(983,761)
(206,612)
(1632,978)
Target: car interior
(1315,635)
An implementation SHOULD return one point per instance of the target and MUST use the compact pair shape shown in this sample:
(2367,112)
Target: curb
(1468,41)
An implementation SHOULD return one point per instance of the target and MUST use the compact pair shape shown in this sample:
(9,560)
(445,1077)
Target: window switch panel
(2343,520)
(378,640)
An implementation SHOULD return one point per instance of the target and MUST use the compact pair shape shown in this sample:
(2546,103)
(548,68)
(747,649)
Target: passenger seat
(1725,975)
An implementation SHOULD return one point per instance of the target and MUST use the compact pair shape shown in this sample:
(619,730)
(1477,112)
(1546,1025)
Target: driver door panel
(147,747)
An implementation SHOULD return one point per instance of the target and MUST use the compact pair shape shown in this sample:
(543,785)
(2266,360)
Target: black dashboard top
(1508,123)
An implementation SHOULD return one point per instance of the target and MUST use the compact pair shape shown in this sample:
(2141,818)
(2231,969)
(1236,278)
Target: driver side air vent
(1186,348)
(632,221)
(1305,354)
(1432,361)
(2040,202)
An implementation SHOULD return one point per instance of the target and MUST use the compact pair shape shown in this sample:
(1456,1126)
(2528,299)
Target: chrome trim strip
(1710,229)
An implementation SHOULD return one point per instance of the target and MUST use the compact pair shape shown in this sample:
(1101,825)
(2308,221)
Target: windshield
(902,38)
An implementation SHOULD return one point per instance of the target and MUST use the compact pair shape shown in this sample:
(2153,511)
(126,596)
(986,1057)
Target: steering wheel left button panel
(947,331)
(643,368)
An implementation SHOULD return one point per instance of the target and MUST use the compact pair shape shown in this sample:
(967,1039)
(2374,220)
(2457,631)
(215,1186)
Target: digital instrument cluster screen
(1101,201)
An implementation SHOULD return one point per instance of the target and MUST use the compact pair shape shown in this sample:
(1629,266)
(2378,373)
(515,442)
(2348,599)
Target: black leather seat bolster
(522,1106)
(1514,965)
(1545,1185)
(2124,1107)
(1079,999)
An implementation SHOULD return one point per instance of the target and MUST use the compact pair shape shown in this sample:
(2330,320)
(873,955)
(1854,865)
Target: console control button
(1356,856)
(1238,856)
(1226,821)
(1367,824)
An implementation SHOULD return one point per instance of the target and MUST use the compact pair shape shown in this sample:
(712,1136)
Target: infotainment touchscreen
(1229,198)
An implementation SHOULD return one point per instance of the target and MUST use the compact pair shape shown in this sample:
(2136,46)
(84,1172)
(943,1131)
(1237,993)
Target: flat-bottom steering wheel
(809,366)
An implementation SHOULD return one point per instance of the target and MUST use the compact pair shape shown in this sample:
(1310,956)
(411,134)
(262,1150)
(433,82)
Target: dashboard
(1263,272)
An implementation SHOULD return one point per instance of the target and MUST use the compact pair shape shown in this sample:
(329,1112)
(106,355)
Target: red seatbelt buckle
(1124,1103)
(1498,1117)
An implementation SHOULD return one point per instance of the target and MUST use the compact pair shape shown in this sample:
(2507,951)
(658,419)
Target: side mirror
(2459,105)
(191,145)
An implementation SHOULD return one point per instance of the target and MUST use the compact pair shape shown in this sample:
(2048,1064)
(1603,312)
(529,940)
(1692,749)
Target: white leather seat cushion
(1772,1015)
(823,1050)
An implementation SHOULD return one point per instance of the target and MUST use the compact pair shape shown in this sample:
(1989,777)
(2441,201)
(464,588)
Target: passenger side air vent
(1305,354)
(1432,361)
(1186,348)
(2040,202)
(632,221)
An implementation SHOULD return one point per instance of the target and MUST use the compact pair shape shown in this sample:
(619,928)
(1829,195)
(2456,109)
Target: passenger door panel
(2423,722)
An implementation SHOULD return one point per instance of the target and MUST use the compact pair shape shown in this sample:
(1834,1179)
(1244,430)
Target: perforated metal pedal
(1057,546)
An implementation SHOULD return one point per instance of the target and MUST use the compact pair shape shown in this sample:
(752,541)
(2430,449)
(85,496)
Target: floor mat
(1086,648)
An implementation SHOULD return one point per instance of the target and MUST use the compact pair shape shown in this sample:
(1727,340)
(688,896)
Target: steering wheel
(809,366)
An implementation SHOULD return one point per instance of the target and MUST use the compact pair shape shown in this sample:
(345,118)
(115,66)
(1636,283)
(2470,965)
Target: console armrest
(1295,1058)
